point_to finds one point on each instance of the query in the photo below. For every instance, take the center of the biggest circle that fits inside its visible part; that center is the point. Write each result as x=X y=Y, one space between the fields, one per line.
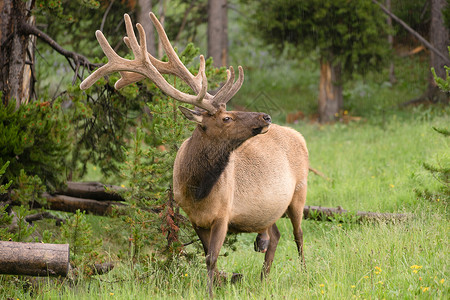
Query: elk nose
x=267 y=118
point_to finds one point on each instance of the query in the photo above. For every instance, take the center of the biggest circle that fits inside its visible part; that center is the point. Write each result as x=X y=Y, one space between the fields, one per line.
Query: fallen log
x=43 y=215
x=72 y=204
x=92 y=190
x=328 y=213
x=34 y=259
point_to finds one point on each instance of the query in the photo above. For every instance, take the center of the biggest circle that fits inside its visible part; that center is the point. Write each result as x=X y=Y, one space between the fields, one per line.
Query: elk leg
x=295 y=213
x=204 y=235
x=274 y=234
x=262 y=242
x=217 y=237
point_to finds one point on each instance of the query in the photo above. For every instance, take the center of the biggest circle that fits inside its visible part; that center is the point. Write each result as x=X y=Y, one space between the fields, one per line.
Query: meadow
x=370 y=167
x=372 y=164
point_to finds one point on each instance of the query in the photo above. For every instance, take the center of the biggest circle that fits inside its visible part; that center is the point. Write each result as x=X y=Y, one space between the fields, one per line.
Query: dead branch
x=413 y=32
x=328 y=213
x=44 y=215
x=100 y=269
x=318 y=173
x=78 y=59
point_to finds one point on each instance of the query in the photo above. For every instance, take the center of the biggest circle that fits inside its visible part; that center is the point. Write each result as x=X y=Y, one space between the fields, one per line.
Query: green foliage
x=4 y=187
x=29 y=190
x=84 y=245
x=440 y=171
x=443 y=83
x=34 y=138
x=5 y=222
x=348 y=32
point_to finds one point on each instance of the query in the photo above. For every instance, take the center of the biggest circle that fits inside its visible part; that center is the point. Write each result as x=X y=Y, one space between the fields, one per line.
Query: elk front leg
x=274 y=235
x=204 y=235
x=218 y=233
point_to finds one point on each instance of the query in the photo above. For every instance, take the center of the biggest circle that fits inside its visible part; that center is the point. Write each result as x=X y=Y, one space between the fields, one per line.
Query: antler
x=145 y=65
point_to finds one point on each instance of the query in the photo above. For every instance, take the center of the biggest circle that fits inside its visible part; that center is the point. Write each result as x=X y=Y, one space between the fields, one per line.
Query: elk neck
x=205 y=160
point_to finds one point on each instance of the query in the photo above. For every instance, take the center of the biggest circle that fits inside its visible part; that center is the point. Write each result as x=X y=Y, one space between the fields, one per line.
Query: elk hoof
x=262 y=242
x=235 y=278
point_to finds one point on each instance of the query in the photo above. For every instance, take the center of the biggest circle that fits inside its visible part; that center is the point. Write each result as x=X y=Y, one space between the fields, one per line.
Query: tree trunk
x=218 y=32
x=92 y=190
x=392 y=78
x=72 y=204
x=16 y=53
x=330 y=91
x=34 y=259
x=144 y=7
x=439 y=38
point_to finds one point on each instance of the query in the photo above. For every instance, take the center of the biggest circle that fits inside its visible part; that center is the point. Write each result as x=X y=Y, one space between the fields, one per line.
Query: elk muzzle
x=266 y=121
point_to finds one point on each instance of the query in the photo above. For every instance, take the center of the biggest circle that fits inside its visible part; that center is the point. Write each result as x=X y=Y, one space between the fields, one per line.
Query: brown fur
x=264 y=176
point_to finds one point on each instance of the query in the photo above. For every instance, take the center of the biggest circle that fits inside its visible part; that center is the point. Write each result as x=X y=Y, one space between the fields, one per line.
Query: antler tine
x=142 y=64
x=230 y=88
x=145 y=65
x=104 y=70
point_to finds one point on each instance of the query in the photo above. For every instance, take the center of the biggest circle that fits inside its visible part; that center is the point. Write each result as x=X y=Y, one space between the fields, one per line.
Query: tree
x=144 y=7
x=349 y=36
x=217 y=32
x=439 y=38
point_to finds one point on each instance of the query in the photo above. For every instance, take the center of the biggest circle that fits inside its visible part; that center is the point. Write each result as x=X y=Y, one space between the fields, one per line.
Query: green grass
x=372 y=166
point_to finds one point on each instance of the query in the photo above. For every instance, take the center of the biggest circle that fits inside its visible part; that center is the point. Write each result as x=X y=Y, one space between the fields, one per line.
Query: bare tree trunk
x=144 y=7
x=439 y=38
x=392 y=78
x=218 y=32
x=330 y=91
x=14 y=79
x=162 y=20
x=35 y=259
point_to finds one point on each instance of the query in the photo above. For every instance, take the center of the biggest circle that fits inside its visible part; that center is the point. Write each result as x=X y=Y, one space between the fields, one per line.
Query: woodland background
x=369 y=94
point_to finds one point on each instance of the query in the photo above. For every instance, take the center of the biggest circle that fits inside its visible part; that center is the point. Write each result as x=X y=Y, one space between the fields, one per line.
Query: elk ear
x=191 y=114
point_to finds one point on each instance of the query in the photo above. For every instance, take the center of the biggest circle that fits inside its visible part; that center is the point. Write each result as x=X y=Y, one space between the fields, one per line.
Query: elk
x=238 y=172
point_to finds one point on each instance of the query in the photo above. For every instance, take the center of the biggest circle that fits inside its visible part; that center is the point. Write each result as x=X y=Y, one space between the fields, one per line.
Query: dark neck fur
x=205 y=161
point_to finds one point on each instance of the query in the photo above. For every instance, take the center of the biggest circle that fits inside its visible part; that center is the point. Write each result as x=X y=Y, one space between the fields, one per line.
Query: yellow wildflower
x=111 y=294
x=322 y=292
x=391 y=185
x=366 y=277
x=321 y=285
x=442 y=281
x=425 y=289
x=353 y=286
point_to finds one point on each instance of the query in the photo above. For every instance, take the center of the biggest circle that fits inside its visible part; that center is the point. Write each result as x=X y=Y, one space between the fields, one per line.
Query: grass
x=373 y=165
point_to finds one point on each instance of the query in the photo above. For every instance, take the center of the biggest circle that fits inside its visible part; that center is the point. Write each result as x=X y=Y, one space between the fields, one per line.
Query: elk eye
x=226 y=119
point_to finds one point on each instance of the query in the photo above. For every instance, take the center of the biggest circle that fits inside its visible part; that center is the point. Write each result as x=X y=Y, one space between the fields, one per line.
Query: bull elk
x=237 y=172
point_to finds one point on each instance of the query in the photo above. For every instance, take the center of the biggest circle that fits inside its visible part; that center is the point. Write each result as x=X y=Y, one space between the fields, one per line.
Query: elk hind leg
x=295 y=213
x=274 y=235
x=262 y=241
